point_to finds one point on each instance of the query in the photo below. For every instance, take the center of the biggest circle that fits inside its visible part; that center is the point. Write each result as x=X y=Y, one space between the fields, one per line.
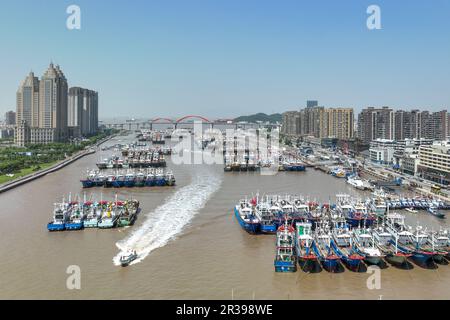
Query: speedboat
x=127 y=258
x=411 y=210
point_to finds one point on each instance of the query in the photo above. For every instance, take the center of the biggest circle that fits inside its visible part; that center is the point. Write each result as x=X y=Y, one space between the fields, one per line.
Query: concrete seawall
x=20 y=181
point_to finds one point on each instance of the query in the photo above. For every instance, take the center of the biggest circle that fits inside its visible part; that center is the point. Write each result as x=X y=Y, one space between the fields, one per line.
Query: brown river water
x=194 y=248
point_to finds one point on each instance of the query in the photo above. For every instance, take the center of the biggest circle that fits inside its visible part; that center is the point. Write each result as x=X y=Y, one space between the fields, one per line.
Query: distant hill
x=260 y=117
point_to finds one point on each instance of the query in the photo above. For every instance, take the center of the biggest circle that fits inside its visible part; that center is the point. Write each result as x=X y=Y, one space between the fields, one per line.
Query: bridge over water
x=184 y=121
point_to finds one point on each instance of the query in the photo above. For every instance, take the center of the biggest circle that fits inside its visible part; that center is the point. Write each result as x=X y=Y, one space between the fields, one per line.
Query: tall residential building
x=434 y=125
x=27 y=101
x=53 y=91
x=83 y=110
x=415 y=124
x=42 y=108
x=319 y=122
x=10 y=118
x=75 y=107
x=310 y=121
x=340 y=123
x=407 y=124
x=290 y=123
x=376 y=123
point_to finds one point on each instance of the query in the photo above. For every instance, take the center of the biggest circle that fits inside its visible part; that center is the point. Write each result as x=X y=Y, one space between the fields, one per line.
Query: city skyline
x=49 y=111
x=230 y=59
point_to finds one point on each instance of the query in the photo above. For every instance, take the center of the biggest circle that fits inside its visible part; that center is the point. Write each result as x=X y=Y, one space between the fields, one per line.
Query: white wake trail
x=169 y=219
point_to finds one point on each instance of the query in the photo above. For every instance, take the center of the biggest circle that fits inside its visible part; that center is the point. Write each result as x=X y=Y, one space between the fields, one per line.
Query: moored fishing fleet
x=349 y=232
x=150 y=177
x=135 y=159
x=80 y=214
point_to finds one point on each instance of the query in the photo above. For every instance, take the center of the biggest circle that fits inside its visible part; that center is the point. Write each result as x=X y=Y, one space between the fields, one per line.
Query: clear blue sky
x=222 y=58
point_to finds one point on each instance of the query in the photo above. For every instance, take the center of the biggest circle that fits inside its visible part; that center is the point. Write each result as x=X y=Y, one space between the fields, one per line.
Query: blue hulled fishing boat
x=87 y=183
x=160 y=179
x=60 y=218
x=434 y=211
x=342 y=245
x=322 y=248
x=119 y=182
x=129 y=180
x=285 y=256
x=150 y=180
x=246 y=217
x=266 y=218
x=76 y=216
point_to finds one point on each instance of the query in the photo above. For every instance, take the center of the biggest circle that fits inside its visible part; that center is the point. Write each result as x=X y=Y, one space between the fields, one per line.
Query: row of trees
x=14 y=159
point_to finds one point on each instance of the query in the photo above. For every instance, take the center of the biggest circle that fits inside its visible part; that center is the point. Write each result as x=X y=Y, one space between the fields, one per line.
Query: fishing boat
x=322 y=248
x=439 y=242
x=315 y=215
x=388 y=246
x=150 y=179
x=235 y=166
x=110 y=180
x=129 y=213
x=424 y=250
x=127 y=258
x=59 y=220
x=89 y=181
x=129 y=180
x=285 y=256
x=119 y=182
x=301 y=210
x=358 y=215
x=160 y=179
x=94 y=214
x=109 y=218
x=406 y=241
x=356 y=182
x=243 y=165
x=139 y=179
x=433 y=211
x=304 y=245
x=246 y=217
x=76 y=216
x=100 y=180
x=342 y=244
x=170 y=178
x=366 y=247
x=103 y=164
x=379 y=207
x=293 y=166
x=266 y=218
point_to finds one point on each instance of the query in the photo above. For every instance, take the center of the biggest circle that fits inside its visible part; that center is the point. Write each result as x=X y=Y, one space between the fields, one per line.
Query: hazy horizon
x=226 y=59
